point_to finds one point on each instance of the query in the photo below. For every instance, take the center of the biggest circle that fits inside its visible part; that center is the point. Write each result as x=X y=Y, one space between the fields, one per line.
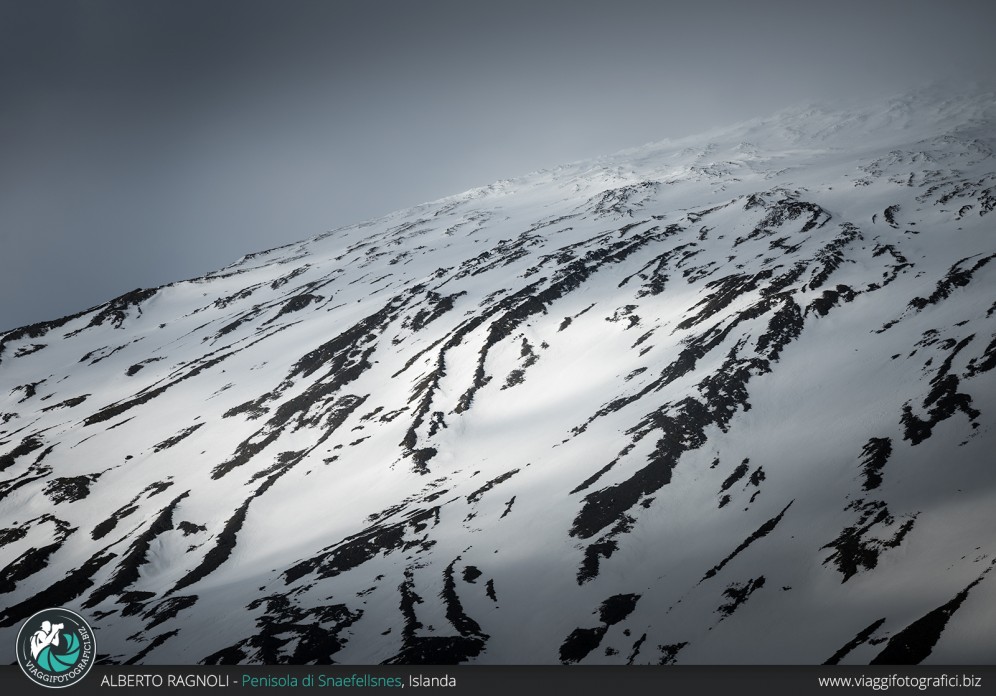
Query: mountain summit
x=727 y=399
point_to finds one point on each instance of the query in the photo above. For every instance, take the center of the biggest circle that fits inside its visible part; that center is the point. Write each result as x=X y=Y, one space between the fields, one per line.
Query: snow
x=313 y=487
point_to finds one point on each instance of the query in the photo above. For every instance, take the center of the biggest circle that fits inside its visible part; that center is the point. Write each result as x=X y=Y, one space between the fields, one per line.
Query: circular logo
x=56 y=648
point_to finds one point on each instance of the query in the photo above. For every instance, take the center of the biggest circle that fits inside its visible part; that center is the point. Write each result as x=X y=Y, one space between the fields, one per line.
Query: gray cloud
x=141 y=143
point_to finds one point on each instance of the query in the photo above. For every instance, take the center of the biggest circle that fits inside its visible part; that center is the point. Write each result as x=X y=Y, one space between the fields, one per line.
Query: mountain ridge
x=679 y=404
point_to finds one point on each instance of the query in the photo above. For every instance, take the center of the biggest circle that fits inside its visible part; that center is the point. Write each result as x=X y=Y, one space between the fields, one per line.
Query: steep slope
x=721 y=400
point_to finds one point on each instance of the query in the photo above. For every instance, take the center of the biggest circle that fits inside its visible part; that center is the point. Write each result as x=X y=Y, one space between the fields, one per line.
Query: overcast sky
x=146 y=141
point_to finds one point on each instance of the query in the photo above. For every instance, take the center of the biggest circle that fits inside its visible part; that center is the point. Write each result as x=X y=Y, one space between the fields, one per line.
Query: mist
x=144 y=143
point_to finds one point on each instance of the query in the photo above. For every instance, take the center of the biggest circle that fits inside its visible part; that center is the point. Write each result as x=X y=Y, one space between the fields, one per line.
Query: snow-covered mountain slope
x=723 y=400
